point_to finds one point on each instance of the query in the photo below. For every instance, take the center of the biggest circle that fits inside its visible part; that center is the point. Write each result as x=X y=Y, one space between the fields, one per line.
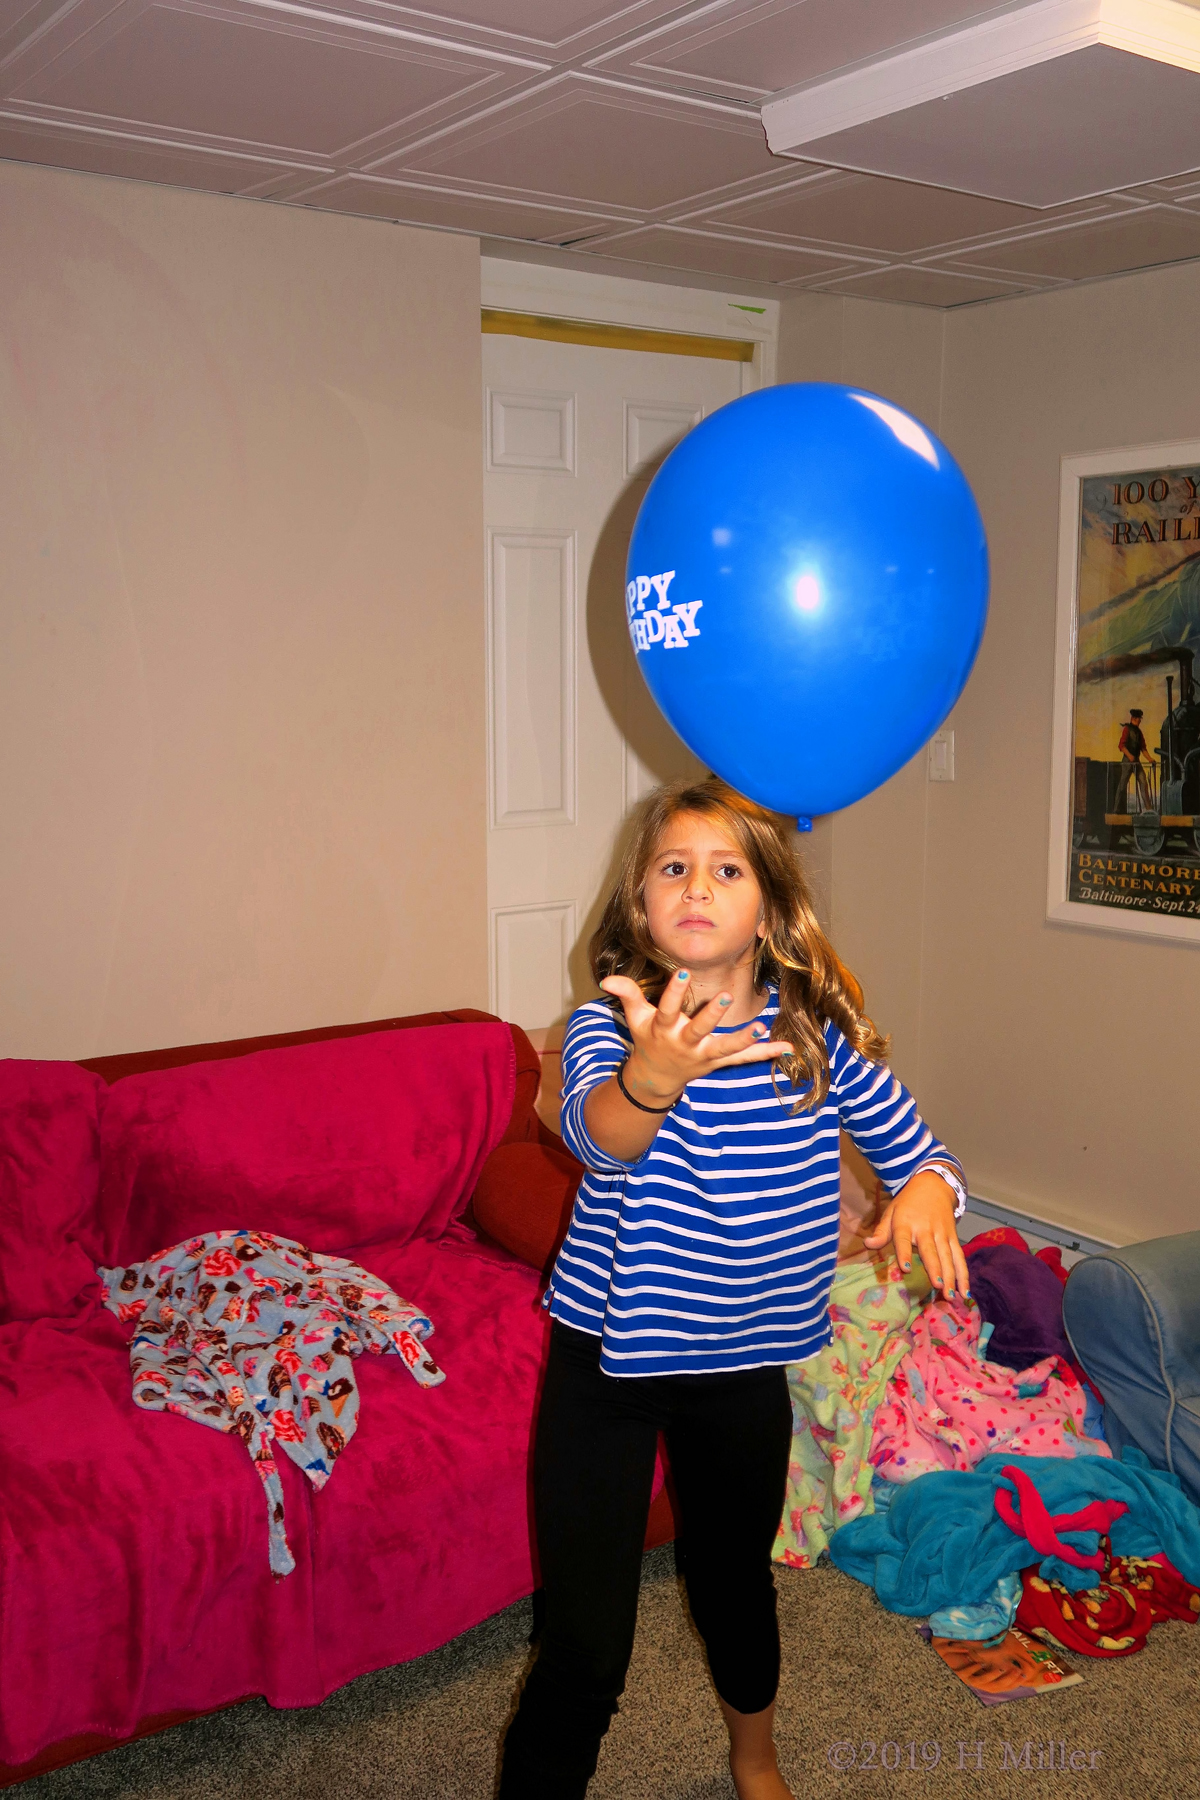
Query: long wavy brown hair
x=794 y=953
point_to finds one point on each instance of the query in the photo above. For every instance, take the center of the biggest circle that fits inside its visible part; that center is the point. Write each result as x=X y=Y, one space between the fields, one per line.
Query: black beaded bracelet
x=629 y=1096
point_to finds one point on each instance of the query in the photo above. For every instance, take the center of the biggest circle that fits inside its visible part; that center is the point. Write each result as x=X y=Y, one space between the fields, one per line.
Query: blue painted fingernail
x=682 y=975
x=908 y=1265
x=760 y=1031
x=726 y=1000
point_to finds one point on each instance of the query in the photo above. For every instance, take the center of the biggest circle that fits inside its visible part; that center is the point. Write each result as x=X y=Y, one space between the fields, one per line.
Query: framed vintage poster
x=1125 y=804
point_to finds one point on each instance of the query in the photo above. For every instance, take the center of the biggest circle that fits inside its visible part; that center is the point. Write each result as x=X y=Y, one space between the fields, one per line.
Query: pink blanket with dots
x=947 y=1409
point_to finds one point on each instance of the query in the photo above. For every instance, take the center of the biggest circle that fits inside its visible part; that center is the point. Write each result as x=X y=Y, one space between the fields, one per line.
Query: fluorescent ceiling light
x=1039 y=103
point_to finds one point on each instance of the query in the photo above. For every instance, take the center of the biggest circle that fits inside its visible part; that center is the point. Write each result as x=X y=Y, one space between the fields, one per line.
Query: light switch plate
x=941 y=756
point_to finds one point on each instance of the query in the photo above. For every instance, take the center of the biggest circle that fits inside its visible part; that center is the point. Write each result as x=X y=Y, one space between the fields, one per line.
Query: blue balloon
x=806 y=592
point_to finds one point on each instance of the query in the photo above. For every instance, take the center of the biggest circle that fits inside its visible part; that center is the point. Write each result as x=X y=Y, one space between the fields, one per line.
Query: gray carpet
x=853 y=1675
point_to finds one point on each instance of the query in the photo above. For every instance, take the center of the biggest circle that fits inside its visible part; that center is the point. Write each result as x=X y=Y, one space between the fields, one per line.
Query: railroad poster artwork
x=1127 y=725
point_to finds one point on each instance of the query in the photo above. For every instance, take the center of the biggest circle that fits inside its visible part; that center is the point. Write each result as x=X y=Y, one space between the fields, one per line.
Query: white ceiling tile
x=174 y=165
x=968 y=263
x=590 y=140
x=923 y=287
x=255 y=81
x=871 y=213
x=714 y=255
x=540 y=25
x=753 y=48
x=1134 y=240
x=44 y=31
x=409 y=203
x=22 y=20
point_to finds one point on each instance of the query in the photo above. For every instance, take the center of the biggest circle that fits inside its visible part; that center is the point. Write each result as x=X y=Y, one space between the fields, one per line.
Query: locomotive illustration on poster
x=1128 y=827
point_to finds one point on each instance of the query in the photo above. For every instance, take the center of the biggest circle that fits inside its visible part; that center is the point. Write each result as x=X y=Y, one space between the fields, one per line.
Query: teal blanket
x=942 y=1543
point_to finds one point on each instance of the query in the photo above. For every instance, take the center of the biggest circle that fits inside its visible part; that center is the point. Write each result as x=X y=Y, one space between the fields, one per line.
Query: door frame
x=646 y=305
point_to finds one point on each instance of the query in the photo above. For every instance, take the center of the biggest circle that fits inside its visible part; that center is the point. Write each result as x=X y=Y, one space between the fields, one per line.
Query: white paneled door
x=573 y=435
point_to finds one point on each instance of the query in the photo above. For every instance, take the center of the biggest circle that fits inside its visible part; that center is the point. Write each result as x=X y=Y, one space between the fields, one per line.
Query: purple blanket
x=1022 y=1300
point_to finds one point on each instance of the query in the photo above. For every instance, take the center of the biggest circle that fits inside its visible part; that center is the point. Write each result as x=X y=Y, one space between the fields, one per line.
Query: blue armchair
x=1133 y=1319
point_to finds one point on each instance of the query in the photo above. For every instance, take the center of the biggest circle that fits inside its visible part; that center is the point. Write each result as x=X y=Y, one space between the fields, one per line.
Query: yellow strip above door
x=615 y=337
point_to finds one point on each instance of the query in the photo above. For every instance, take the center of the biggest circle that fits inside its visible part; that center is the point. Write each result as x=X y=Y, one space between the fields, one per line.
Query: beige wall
x=870 y=860
x=1058 y=1062
x=241 y=618
x=1080 y=1090
x=241 y=655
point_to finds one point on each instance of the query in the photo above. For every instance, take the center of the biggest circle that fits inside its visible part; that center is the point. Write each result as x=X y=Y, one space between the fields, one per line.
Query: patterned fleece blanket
x=254 y=1334
x=948 y=1409
x=834 y=1398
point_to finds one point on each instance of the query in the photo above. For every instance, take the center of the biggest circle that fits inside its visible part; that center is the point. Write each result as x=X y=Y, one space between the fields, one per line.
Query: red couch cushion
x=342 y=1144
x=523 y=1124
x=49 y=1171
x=524 y=1200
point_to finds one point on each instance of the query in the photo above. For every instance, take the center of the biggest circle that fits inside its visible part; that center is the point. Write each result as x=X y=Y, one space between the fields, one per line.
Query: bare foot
x=752 y=1761
x=759 y=1783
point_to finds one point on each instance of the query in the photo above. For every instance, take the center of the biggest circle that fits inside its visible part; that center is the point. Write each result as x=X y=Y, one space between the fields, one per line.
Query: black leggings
x=728 y=1437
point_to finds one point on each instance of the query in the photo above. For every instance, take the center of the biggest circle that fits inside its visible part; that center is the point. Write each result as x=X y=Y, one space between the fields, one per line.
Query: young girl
x=704 y=1099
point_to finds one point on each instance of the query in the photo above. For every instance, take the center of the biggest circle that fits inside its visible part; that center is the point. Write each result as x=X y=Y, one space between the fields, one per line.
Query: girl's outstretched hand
x=670 y=1049
x=923 y=1213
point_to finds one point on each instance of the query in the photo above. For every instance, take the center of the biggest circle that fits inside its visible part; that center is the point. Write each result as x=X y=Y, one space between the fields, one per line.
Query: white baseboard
x=1066 y=1236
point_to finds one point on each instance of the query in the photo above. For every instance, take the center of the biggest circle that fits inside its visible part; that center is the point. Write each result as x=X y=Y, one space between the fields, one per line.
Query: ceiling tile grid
x=749 y=49
x=629 y=132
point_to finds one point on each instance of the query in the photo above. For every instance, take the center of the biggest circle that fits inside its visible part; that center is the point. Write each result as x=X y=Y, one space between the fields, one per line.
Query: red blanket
x=131 y=1555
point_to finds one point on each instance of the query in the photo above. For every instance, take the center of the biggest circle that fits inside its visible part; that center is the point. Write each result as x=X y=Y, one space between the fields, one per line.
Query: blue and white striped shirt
x=716 y=1248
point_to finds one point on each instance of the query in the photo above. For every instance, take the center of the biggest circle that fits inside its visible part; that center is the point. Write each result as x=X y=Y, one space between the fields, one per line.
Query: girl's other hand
x=923 y=1213
x=670 y=1049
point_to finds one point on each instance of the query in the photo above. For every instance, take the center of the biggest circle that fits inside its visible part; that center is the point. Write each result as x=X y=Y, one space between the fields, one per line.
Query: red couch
x=134 y=1584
